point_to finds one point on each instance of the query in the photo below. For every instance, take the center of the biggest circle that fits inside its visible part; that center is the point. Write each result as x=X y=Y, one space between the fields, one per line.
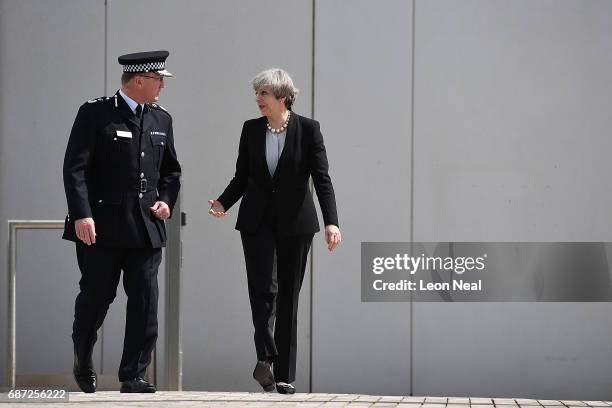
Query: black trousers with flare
x=275 y=268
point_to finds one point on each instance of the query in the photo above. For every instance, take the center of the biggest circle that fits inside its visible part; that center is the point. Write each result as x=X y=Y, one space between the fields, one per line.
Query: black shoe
x=284 y=388
x=137 y=384
x=263 y=375
x=84 y=375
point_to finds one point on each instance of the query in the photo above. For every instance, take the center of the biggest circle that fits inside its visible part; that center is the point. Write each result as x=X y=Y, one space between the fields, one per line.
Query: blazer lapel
x=289 y=143
x=261 y=146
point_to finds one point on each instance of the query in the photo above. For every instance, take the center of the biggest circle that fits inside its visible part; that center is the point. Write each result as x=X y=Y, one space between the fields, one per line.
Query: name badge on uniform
x=123 y=133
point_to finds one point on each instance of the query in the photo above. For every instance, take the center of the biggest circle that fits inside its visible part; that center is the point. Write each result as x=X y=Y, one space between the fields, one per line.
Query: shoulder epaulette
x=100 y=99
x=156 y=106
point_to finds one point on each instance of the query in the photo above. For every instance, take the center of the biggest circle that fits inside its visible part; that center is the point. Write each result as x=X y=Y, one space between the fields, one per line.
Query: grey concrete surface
x=273 y=400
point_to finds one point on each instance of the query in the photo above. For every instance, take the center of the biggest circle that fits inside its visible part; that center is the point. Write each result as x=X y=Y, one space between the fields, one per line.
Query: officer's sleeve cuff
x=73 y=216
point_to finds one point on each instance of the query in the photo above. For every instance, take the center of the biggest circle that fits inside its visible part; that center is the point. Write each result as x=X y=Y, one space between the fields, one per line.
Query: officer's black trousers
x=100 y=271
x=274 y=288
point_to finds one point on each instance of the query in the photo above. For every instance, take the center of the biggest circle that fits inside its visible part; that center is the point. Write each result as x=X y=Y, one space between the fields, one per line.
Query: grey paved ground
x=171 y=399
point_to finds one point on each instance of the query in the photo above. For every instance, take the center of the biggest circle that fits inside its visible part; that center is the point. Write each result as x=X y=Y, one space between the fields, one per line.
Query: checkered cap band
x=148 y=67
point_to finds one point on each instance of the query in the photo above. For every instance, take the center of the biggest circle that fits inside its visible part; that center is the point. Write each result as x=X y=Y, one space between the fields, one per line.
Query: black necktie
x=138 y=114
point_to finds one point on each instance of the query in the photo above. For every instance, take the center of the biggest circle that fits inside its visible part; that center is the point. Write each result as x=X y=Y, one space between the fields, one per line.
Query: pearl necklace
x=282 y=128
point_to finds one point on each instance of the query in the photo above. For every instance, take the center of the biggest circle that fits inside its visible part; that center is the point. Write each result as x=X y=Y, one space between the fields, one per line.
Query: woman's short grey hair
x=279 y=82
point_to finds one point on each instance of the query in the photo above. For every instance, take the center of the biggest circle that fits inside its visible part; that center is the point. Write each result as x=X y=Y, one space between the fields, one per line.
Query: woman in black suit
x=277 y=155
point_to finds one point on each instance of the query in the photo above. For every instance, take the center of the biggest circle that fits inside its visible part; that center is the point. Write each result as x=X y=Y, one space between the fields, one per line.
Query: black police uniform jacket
x=116 y=167
x=303 y=155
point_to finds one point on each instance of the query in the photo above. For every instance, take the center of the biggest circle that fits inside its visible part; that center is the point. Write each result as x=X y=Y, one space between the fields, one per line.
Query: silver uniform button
x=141 y=175
x=141 y=154
x=140 y=195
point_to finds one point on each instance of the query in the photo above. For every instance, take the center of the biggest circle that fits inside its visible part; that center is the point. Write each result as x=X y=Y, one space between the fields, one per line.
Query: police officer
x=122 y=179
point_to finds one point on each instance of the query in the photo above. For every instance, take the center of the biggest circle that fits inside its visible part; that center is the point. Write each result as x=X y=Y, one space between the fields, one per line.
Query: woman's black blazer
x=303 y=156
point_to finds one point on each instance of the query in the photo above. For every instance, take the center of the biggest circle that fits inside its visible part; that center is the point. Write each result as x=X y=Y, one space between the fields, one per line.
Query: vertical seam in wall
x=412 y=186
x=312 y=114
x=104 y=93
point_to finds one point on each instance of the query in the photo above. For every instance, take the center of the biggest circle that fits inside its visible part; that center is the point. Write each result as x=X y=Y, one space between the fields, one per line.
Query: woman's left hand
x=333 y=237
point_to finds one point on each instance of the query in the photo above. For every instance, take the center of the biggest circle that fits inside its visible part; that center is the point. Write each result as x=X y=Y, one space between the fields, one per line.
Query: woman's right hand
x=216 y=209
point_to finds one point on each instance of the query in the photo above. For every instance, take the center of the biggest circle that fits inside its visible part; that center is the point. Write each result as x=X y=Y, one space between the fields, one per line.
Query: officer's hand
x=332 y=236
x=160 y=210
x=216 y=209
x=85 y=230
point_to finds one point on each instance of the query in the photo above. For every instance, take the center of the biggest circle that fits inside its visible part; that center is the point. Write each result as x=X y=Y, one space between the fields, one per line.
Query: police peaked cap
x=150 y=61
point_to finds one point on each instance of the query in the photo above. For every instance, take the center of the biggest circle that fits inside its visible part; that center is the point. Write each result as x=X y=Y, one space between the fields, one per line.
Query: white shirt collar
x=131 y=103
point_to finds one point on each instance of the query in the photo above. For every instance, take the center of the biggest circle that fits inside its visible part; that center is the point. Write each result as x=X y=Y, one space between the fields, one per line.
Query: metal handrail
x=173 y=353
x=13 y=226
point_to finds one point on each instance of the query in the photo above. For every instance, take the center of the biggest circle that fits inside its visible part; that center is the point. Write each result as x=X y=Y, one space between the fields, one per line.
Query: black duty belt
x=144 y=185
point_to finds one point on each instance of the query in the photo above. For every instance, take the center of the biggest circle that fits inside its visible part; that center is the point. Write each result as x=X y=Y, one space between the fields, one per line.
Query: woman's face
x=267 y=103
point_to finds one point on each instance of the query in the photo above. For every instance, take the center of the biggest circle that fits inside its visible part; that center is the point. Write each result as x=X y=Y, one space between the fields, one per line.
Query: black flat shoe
x=263 y=375
x=86 y=381
x=84 y=375
x=284 y=388
x=137 y=384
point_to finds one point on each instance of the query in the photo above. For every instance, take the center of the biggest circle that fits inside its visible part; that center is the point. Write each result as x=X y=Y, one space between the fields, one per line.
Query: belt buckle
x=143 y=185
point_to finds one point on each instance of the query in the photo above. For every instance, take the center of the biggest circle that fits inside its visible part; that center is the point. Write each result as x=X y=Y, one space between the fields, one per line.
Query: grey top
x=274 y=147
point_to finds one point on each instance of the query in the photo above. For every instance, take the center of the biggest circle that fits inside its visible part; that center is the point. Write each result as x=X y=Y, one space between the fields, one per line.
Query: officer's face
x=151 y=85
